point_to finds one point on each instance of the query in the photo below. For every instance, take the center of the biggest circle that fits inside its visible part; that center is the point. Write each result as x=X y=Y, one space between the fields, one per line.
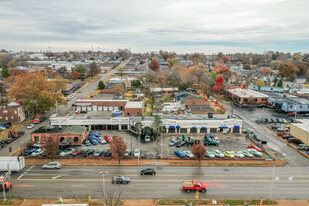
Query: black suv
x=148 y=171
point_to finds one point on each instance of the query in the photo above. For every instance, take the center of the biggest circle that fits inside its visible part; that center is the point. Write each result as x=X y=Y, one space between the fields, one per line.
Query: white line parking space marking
x=20 y=176
x=26 y=172
x=56 y=177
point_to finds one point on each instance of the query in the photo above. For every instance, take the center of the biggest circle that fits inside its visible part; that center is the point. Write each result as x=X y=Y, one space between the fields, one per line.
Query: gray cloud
x=146 y=25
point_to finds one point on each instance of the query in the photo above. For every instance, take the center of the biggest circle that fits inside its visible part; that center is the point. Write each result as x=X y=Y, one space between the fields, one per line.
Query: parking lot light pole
x=103 y=184
x=272 y=180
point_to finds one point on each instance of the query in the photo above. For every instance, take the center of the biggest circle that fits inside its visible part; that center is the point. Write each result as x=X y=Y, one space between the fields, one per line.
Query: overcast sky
x=207 y=26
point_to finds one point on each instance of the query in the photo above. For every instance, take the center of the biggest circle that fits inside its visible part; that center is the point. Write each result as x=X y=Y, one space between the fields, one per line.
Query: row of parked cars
x=5 y=126
x=95 y=137
x=184 y=140
x=275 y=120
x=291 y=139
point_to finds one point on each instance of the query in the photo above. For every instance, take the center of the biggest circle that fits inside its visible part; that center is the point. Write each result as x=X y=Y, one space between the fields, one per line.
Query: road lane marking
x=290 y=178
x=20 y=176
x=277 y=178
x=56 y=177
x=78 y=185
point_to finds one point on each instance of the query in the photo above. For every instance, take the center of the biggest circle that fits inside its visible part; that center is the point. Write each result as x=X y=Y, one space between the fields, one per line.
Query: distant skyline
x=142 y=25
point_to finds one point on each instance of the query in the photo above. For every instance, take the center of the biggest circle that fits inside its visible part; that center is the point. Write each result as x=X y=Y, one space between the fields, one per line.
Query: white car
x=137 y=153
x=209 y=154
x=238 y=154
x=247 y=153
x=218 y=153
x=188 y=153
x=37 y=144
x=30 y=126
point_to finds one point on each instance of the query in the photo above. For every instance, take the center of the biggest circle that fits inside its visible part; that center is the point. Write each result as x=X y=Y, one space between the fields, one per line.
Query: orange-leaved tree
x=38 y=94
x=154 y=65
x=118 y=148
x=288 y=70
x=199 y=151
x=74 y=74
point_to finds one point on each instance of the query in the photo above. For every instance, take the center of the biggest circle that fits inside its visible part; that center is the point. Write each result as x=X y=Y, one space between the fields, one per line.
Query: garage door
x=183 y=130
x=105 y=108
x=110 y=108
x=213 y=130
x=84 y=108
x=94 y=108
x=89 y=108
x=100 y=108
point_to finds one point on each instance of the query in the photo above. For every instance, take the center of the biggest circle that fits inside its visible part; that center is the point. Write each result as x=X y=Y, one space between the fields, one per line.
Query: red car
x=283 y=133
x=77 y=152
x=108 y=138
x=36 y=120
x=254 y=147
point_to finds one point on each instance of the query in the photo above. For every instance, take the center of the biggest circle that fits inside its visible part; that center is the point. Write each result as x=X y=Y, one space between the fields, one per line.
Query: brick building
x=134 y=108
x=247 y=96
x=76 y=133
x=100 y=104
x=13 y=112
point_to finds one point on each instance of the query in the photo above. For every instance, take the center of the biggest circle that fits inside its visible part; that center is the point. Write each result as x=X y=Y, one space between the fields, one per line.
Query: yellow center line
x=155 y=180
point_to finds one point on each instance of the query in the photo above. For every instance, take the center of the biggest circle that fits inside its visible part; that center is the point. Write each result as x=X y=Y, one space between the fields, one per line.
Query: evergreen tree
x=5 y=72
x=101 y=86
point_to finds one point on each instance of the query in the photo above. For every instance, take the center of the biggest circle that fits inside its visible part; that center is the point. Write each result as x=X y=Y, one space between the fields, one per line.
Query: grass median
x=207 y=202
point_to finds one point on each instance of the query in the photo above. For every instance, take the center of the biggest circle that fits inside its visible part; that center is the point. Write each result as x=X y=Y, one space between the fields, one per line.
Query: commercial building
x=134 y=108
x=288 y=103
x=72 y=135
x=100 y=104
x=247 y=96
x=300 y=130
x=178 y=124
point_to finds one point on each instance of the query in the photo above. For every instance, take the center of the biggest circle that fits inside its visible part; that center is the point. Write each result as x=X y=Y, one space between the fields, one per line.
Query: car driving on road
x=52 y=165
x=120 y=180
x=148 y=171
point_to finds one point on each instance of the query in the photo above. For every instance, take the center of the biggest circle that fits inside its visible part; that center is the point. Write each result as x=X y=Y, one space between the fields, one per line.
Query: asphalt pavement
x=293 y=157
x=223 y=182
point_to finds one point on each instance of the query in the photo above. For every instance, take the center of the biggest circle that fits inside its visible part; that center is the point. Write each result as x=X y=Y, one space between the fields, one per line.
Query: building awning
x=223 y=127
x=204 y=127
x=164 y=126
x=177 y=126
x=236 y=126
x=193 y=127
x=171 y=127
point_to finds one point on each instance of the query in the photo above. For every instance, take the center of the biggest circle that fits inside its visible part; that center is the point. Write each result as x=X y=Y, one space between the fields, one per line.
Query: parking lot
x=152 y=150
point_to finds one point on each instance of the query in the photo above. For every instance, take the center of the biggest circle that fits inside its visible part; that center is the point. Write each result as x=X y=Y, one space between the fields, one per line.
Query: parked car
x=238 y=154
x=64 y=153
x=295 y=141
x=148 y=171
x=247 y=153
x=179 y=153
x=172 y=142
x=108 y=138
x=52 y=165
x=228 y=154
x=29 y=151
x=248 y=131
x=128 y=153
x=283 y=133
x=95 y=133
x=217 y=153
x=93 y=142
x=283 y=129
x=210 y=154
x=101 y=140
x=137 y=153
x=255 y=148
x=302 y=147
x=77 y=152
x=256 y=138
x=87 y=152
x=255 y=152
x=30 y=126
x=120 y=180
x=107 y=153
x=180 y=144
x=37 y=145
x=87 y=142
x=188 y=153
x=98 y=152
x=286 y=136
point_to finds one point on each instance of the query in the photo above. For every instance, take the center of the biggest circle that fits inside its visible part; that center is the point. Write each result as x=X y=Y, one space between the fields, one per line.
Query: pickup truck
x=194 y=186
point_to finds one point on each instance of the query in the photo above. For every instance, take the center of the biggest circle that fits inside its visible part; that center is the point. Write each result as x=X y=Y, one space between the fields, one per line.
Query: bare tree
x=94 y=69
x=50 y=145
x=119 y=89
x=118 y=148
x=199 y=151
x=111 y=195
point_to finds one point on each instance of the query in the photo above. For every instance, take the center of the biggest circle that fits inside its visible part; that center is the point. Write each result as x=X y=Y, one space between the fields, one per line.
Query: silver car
x=120 y=180
x=52 y=165
x=209 y=154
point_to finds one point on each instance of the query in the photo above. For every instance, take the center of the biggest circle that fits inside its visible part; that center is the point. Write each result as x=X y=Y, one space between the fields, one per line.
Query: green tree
x=136 y=83
x=62 y=70
x=5 y=72
x=280 y=83
x=213 y=76
x=80 y=69
x=157 y=125
x=101 y=85
x=138 y=127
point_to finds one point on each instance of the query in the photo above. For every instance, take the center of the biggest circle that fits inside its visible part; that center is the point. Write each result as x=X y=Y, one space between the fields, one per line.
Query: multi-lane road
x=229 y=182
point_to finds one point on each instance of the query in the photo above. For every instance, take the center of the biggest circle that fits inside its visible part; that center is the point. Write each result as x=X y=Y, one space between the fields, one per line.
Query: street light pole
x=272 y=180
